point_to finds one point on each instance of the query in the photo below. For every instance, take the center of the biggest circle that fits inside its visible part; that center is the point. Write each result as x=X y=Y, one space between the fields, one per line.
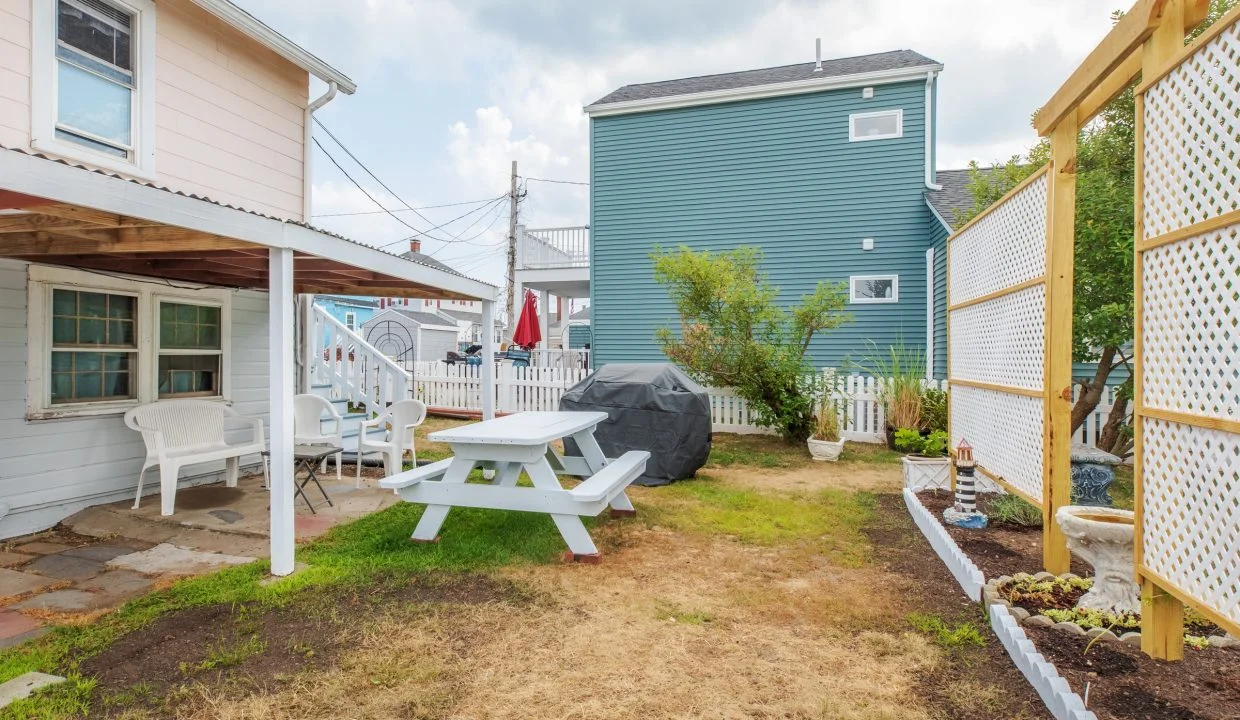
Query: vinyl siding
x=51 y=469
x=938 y=240
x=229 y=112
x=778 y=173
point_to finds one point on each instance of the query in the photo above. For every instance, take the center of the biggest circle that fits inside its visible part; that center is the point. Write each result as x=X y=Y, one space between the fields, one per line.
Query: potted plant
x=898 y=373
x=927 y=464
x=825 y=443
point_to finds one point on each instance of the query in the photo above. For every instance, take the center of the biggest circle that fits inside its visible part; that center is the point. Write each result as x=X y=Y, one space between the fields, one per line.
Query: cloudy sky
x=451 y=91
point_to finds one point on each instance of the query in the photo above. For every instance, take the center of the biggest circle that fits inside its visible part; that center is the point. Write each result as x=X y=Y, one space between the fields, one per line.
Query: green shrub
x=934 y=410
x=912 y=441
x=1011 y=510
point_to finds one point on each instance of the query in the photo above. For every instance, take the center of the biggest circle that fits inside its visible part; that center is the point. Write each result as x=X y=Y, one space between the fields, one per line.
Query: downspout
x=929 y=131
x=304 y=301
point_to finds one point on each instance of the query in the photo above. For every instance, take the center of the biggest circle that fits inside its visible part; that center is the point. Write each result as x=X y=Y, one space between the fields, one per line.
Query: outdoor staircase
x=359 y=381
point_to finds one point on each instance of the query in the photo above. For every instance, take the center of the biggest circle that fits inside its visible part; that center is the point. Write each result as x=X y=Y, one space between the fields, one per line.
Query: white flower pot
x=927 y=473
x=825 y=449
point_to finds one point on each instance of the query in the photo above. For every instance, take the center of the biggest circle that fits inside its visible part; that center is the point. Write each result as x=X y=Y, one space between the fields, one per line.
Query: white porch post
x=309 y=343
x=544 y=320
x=488 y=359
x=281 y=375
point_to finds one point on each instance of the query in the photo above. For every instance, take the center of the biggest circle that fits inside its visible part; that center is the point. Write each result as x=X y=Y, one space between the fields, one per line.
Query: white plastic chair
x=309 y=412
x=400 y=419
x=187 y=432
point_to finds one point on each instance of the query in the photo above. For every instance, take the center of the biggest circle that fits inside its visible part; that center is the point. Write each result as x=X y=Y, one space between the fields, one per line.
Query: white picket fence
x=458 y=387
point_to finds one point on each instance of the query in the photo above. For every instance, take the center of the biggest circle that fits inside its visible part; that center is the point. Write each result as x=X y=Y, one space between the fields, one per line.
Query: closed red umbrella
x=527 y=334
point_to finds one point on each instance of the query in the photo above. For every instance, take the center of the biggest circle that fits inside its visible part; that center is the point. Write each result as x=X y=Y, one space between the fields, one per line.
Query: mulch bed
x=1000 y=549
x=1123 y=683
x=928 y=587
x=248 y=648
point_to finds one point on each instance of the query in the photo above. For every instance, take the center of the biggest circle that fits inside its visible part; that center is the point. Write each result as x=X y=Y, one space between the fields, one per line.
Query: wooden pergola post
x=1162 y=615
x=1057 y=396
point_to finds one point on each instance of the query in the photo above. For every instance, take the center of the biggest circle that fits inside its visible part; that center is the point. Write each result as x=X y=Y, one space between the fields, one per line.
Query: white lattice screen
x=997 y=336
x=1190 y=303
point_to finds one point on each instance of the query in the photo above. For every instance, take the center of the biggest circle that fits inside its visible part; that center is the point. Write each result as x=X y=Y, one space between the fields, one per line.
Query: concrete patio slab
x=115 y=587
x=23 y=686
x=9 y=559
x=16 y=584
x=40 y=547
x=65 y=567
x=168 y=558
x=100 y=553
x=63 y=601
x=13 y=624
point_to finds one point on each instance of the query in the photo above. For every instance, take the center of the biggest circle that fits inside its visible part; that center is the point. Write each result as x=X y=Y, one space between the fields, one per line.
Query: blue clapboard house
x=827 y=166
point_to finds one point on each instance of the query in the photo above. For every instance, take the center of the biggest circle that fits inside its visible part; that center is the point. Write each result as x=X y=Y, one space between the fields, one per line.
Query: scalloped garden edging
x=962 y=568
x=1054 y=691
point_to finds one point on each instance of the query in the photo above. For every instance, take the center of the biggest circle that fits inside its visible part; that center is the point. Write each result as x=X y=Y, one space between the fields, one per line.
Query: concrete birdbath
x=1103 y=537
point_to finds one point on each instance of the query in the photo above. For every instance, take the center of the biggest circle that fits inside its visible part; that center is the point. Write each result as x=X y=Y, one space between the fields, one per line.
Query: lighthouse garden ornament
x=964 y=513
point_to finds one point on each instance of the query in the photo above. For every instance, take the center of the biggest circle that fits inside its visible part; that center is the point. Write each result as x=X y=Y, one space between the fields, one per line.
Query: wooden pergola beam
x=34 y=222
x=125 y=240
x=1111 y=57
x=79 y=214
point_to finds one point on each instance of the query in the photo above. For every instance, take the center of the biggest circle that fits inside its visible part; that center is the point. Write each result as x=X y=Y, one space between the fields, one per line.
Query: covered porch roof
x=57 y=213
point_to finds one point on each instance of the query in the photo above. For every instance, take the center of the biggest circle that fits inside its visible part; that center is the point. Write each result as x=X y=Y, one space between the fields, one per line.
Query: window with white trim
x=100 y=344
x=350 y=320
x=880 y=125
x=93 y=82
x=873 y=289
x=191 y=350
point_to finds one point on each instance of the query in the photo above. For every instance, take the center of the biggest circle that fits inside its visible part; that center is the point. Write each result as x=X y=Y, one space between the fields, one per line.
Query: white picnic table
x=516 y=443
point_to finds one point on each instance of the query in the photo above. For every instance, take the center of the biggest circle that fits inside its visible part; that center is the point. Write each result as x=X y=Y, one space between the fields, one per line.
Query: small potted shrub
x=825 y=443
x=927 y=464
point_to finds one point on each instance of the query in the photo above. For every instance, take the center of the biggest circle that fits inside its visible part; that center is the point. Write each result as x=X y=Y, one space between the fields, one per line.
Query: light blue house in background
x=825 y=166
x=353 y=312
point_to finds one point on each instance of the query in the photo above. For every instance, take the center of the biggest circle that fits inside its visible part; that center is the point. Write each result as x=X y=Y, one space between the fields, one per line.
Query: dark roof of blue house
x=352 y=301
x=954 y=199
x=421 y=318
x=837 y=67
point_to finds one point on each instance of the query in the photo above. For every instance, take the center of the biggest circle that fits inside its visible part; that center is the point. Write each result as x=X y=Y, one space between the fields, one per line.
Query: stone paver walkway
x=107 y=555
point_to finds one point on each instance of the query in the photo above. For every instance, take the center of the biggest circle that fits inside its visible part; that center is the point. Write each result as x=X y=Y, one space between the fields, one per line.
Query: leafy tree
x=733 y=334
x=1102 y=308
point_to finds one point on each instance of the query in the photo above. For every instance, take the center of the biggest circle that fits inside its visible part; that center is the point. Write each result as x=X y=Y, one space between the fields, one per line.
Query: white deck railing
x=547 y=248
x=354 y=368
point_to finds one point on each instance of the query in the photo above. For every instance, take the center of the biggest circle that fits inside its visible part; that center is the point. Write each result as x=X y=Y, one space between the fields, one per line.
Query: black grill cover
x=654 y=407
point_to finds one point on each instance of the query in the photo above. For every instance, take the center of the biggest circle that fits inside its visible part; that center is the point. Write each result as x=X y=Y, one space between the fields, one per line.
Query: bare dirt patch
x=973 y=681
x=867 y=478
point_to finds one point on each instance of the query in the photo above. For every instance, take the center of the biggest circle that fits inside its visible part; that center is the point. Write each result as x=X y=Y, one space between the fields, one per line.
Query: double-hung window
x=101 y=344
x=190 y=350
x=94 y=349
x=93 y=90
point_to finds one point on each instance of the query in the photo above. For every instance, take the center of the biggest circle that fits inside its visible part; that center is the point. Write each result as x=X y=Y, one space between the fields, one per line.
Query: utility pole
x=512 y=249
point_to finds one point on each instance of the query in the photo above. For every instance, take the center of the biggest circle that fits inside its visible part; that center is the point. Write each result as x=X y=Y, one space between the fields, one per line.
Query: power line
x=420 y=207
x=557 y=182
x=494 y=202
x=366 y=192
x=362 y=165
x=495 y=215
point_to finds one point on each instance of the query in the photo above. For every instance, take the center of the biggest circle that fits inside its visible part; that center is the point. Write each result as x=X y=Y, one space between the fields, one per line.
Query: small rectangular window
x=874 y=289
x=190 y=350
x=350 y=320
x=94 y=346
x=882 y=125
x=94 y=76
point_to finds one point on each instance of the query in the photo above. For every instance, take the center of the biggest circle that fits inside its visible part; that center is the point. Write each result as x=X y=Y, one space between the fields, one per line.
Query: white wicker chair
x=188 y=432
x=400 y=419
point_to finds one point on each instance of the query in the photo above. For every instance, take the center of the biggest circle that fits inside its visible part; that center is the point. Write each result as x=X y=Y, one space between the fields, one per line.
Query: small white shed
x=411 y=336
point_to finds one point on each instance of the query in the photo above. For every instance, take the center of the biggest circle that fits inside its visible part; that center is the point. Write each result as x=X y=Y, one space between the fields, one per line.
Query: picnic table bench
x=516 y=443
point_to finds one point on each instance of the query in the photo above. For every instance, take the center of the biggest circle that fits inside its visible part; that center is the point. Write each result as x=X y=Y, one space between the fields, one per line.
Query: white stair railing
x=355 y=369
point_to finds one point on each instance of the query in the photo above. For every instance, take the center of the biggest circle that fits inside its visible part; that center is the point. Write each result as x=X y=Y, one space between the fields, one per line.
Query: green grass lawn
x=375 y=550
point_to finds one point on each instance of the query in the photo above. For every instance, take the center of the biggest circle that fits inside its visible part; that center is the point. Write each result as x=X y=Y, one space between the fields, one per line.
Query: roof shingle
x=877 y=62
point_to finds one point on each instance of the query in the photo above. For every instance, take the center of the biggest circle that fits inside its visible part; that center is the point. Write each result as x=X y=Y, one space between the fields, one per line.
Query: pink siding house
x=154 y=192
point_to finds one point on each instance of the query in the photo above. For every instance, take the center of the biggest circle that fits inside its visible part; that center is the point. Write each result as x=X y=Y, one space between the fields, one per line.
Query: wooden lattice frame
x=996 y=295
x=1187 y=390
